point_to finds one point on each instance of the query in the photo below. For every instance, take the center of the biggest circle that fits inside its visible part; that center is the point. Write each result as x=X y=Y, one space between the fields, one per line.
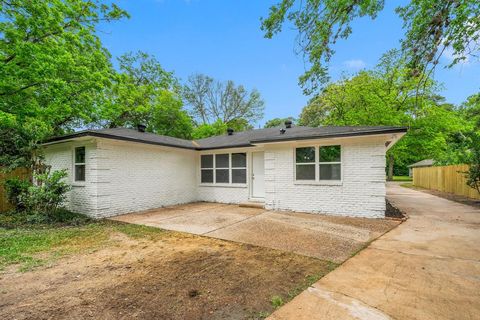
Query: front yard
x=252 y=262
x=112 y=270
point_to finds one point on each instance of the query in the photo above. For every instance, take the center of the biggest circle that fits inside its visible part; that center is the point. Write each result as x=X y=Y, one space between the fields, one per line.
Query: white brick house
x=331 y=170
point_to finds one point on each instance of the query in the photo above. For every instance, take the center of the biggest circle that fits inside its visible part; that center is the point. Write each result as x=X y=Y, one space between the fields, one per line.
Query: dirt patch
x=176 y=276
x=392 y=211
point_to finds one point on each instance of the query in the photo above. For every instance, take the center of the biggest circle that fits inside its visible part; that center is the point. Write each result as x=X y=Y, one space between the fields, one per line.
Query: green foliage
x=15 y=189
x=473 y=174
x=40 y=199
x=387 y=96
x=277 y=302
x=144 y=93
x=278 y=122
x=431 y=27
x=53 y=70
x=31 y=246
x=208 y=130
x=470 y=111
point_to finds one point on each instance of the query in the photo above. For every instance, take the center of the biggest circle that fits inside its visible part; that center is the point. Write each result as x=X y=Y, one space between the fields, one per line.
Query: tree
x=470 y=110
x=386 y=96
x=206 y=130
x=431 y=27
x=144 y=93
x=53 y=70
x=211 y=100
x=278 y=122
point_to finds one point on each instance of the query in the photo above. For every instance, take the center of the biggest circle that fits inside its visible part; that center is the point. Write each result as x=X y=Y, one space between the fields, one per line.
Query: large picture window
x=223 y=168
x=79 y=166
x=318 y=163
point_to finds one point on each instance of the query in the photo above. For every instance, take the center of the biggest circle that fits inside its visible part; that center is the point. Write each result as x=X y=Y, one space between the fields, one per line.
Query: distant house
x=332 y=170
x=419 y=164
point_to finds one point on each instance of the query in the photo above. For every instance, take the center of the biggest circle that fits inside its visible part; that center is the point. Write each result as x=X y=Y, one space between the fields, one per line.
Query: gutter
x=338 y=135
x=113 y=137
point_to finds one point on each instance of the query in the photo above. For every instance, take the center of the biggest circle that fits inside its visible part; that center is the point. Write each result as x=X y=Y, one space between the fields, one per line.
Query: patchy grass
x=34 y=246
x=279 y=300
x=402 y=178
x=180 y=276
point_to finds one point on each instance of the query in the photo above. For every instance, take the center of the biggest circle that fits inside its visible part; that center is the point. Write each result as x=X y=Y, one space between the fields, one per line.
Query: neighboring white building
x=331 y=170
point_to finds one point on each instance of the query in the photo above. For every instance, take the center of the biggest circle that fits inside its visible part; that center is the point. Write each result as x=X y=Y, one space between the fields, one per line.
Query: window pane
x=239 y=176
x=207 y=161
x=80 y=172
x=306 y=172
x=221 y=161
x=330 y=172
x=80 y=155
x=221 y=176
x=207 y=176
x=239 y=160
x=330 y=154
x=305 y=155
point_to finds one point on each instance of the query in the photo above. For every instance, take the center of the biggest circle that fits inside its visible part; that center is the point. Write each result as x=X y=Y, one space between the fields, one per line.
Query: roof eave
x=328 y=136
x=112 y=137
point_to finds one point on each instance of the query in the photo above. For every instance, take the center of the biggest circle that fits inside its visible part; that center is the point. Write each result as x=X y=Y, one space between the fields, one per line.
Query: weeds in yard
x=277 y=302
x=37 y=246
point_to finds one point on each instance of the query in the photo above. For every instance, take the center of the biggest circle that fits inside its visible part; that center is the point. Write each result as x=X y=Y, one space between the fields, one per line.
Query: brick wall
x=82 y=197
x=126 y=177
x=134 y=177
x=361 y=193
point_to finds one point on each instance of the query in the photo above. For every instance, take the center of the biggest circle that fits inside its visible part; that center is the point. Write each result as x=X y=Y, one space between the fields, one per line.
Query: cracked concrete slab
x=324 y=237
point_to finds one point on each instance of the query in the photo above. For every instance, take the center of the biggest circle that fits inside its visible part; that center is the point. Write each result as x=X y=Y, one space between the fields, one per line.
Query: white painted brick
x=125 y=177
x=362 y=193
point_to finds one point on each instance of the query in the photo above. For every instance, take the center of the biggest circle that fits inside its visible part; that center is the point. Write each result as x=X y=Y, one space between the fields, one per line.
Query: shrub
x=473 y=174
x=14 y=188
x=41 y=198
x=46 y=194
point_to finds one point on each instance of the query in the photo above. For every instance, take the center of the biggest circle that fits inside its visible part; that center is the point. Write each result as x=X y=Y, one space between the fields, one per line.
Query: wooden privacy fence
x=445 y=178
x=20 y=173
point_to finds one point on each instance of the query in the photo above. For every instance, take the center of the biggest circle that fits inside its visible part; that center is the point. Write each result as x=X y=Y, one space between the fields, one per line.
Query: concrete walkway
x=426 y=268
x=324 y=237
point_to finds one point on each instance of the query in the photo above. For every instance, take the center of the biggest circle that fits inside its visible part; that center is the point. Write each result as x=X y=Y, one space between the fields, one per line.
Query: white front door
x=258 y=175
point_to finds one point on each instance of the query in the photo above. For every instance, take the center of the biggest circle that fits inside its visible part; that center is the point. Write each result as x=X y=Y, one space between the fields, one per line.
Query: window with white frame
x=223 y=168
x=239 y=168
x=321 y=163
x=79 y=166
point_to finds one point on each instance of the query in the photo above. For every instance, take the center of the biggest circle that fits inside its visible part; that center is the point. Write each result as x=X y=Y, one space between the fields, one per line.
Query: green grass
x=277 y=301
x=402 y=178
x=34 y=246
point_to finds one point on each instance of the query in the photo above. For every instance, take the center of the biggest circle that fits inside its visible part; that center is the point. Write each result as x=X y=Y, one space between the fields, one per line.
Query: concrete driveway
x=426 y=268
x=324 y=237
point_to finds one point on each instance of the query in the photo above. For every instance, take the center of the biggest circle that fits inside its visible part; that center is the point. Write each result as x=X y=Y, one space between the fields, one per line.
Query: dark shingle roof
x=423 y=163
x=238 y=139
x=129 y=135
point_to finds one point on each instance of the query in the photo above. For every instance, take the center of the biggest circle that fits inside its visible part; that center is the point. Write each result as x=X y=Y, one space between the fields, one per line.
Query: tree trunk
x=390 y=160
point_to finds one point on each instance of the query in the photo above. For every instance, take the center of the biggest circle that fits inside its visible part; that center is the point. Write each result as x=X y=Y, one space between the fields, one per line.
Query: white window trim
x=76 y=182
x=317 y=164
x=230 y=184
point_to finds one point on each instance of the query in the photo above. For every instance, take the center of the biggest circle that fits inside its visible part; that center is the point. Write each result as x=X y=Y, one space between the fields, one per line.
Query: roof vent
x=141 y=127
x=230 y=131
x=282 y=131
x=288 y=124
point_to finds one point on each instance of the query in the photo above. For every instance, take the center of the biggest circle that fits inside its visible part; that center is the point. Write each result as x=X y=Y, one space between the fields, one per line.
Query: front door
x=258 y=174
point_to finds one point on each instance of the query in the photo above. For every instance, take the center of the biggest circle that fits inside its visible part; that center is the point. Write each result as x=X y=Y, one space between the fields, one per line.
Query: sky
x=223 y=39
